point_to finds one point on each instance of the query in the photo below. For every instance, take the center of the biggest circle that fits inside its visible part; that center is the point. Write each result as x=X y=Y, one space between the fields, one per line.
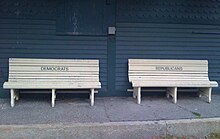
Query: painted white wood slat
x=167 y=68
x=49 y=85
x=54 y=72
x=32 y=60
x=49 y=75
x=164 y=83
x=168 y=61
x=169 y=72
x=52 y=68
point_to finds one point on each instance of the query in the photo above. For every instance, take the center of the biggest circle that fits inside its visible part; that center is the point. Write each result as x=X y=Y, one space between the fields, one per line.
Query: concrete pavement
x=113 y=117
x=193 y=128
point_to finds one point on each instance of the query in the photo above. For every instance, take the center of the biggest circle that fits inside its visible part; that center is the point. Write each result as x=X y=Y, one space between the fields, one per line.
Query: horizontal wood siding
x=169 y=11
x=36 y=38
x=166 y=41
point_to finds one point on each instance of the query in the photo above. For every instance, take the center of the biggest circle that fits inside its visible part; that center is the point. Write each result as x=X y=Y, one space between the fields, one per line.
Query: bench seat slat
x=168 y=79
x=54 y=64
x=32 y=60
x=167 y=75
x=166 y=72
x=188 y=83
x=152 y=68
x=169 y=64
x=13 y=63
x=54 y=72
x=37 y=68
x=54 y=79
x=164 y=61
x=51 y=85
x=50 y=75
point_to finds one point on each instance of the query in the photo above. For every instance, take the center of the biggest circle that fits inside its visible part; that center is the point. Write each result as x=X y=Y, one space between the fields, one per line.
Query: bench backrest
x=144 y=69
x=23 y=69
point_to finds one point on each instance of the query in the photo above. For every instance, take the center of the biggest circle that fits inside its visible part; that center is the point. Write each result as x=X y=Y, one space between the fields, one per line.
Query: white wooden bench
x=170 y=74
x=52 y=74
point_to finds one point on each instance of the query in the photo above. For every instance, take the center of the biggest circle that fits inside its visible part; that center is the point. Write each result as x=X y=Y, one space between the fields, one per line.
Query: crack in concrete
x=198 y=115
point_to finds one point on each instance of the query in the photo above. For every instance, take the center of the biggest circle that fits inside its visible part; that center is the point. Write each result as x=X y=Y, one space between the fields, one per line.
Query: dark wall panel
x=77 y=17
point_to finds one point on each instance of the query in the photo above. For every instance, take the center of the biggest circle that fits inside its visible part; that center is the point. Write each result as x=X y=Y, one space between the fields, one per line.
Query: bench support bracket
x=206 y=91
x=92 y=95
x=172 y=91
x=53 y=97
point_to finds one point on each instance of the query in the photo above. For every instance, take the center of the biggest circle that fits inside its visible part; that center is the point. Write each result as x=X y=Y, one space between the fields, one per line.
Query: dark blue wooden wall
x=28 y=30
x=165 y=41
x=166 y=29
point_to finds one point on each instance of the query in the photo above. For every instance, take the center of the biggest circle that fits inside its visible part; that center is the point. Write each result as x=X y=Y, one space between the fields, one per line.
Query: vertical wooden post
x=92 y=96
x=53 y=97
x=110 y=14
x=209 y=94
x=139 y=95
x=175 y=95
x=12 y=97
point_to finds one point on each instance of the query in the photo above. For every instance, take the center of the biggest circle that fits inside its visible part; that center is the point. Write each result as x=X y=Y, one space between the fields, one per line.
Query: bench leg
x=172 y=91
x=92 y=95
x=139 y=95
x=206 y=91
x=12 y=97
x=53 y=97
